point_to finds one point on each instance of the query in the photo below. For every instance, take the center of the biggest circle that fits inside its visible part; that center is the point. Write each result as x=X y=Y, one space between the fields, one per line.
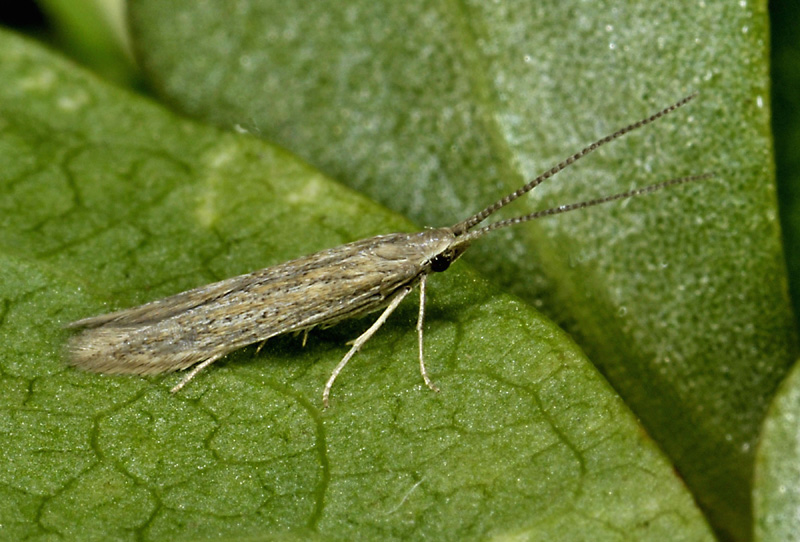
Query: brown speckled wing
x=210 y=321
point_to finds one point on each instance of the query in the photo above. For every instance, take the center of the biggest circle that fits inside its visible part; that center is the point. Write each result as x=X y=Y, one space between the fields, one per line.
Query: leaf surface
x=438 y=108
x=777 y=482
x=108 y=200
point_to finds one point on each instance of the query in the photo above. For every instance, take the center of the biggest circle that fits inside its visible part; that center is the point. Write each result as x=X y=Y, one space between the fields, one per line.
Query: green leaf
x=777 y=482
x=107 y=200
x=94 y=33
x=437 y=108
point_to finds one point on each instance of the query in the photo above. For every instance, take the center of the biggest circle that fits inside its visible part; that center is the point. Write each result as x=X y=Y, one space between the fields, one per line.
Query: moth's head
x=443 y=247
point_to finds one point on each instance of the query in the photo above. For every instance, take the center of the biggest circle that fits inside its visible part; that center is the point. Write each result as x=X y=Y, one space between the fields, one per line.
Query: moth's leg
x=194 y=372
x=420 y=321
x=362 y=339
x=305 y=336
x=261 y=345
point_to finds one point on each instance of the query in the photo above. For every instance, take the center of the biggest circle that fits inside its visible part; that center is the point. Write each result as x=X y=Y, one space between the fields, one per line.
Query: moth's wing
x=208 y=322
x=179 y=331
x=133 y=350
x=172 y=305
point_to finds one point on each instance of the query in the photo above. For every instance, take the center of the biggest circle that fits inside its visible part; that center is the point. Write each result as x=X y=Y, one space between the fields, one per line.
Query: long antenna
x=581 y=205
x=477 y=218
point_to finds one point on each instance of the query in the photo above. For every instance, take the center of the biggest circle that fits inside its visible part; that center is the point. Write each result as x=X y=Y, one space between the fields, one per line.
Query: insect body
x=197 y=327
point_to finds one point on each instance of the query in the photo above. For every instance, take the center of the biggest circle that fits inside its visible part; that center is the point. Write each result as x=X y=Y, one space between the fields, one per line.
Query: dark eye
x=440 y=263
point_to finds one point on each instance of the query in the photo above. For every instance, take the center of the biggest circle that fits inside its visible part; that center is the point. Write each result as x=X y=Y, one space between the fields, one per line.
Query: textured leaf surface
x=107 y=200
x=777 y=484
x=436 y=108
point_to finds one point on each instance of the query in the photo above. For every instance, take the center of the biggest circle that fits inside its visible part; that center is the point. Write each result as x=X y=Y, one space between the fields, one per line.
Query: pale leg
x=361 y=340
x=194 y=372
x=420 y=321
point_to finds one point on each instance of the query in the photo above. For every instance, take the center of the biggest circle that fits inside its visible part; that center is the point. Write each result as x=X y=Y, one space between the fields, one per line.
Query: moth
x=195 y=328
